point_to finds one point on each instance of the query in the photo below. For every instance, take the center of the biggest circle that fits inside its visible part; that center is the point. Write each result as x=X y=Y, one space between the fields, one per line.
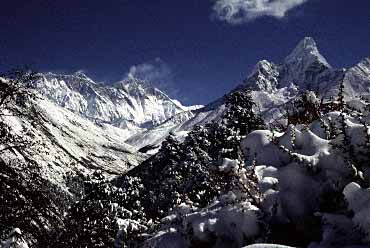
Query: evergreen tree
x=170 y=151
x=92 y=221
x=304 y=109
x=240 y=115
x=180 y=172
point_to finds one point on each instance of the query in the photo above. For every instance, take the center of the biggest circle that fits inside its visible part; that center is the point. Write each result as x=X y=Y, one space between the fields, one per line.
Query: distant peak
x=305 y=46
x=133 y=82
x=261 y=65
x=365 y=61
x=307 y=43
x=307 y=52
x=80 y=74
x=263 y=77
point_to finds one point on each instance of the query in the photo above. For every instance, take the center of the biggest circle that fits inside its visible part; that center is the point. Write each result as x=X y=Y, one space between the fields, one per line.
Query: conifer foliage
x=304 y=109
x=92 y=220
x=240 y=115
x=188 y=172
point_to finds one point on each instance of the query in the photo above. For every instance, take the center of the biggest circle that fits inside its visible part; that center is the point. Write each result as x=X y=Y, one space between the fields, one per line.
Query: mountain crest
x=133 y=83
x=263 y=77
x=306 y=52
x=131 y=101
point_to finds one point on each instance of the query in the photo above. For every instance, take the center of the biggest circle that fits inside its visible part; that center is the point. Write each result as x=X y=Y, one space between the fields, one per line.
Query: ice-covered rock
x=304 y=64
x=131 y=100
x=264 y=77
x=357 y=79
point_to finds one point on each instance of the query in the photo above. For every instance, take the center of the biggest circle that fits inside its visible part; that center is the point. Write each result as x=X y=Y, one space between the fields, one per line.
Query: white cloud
x=152 y=71
x=242 y=11
x=156 y=72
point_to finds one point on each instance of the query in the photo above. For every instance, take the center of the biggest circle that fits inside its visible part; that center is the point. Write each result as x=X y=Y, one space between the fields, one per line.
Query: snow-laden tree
x=15 y=240
x=315 y=177
x=303 y=174
x=304 y=109
x=191 y=172
x=240 y=114
x=92 y=220
x=231 y=219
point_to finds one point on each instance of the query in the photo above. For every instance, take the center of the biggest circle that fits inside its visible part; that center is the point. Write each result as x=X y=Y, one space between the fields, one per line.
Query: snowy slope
x=357 y=79
x=148 y=115
x=311 y=192
x=79 y=126
x=273 y=86
x=305 y=68
x=67 y=143
x=46 y=154
x=131 y=103
x=179 y=125
x=304 y=65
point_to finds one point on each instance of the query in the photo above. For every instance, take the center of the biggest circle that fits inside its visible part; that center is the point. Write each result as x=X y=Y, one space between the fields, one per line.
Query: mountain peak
x=263 y=77
x=261 y=65
x=133 y=84
x=306 y=45
x=307 y=53
x=307 y=42
x=80 y=74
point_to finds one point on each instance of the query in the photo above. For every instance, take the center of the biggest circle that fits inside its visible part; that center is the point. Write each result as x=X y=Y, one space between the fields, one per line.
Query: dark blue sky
x=206 y=57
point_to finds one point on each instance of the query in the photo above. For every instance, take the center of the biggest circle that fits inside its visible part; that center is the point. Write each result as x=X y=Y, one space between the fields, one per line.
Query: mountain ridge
x=145 y=111
x=104 y=140
x=126 y=103
x=273 y=85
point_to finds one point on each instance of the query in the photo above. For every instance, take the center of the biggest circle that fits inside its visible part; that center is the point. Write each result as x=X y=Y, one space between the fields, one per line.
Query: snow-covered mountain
x=106 y=124
x=305 y=68
x=148 y=115
x=77 y=129
x=48 y=150
x=273 y=85
x=357 y=78
x=65 y=142
x=131 y=103
x=131 y=106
